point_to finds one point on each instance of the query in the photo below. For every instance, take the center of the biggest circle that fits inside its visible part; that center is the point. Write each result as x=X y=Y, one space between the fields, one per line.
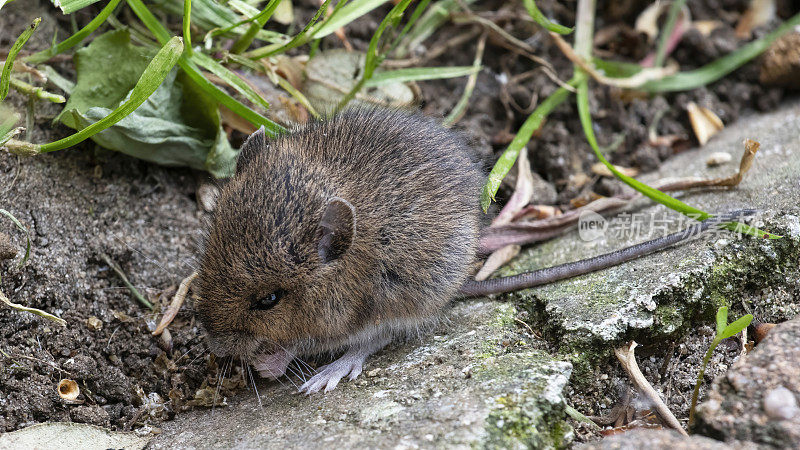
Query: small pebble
x=94 y=324
x=781 y=404
x=718 y=158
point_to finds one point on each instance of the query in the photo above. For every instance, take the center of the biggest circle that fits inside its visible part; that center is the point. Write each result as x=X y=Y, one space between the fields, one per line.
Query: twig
x=434 y=52
x=135 y=292
x=633 y=82
x=175 y=305
x=627 y=358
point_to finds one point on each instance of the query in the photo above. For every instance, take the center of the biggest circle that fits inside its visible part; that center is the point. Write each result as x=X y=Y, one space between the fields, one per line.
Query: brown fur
x=414 y=189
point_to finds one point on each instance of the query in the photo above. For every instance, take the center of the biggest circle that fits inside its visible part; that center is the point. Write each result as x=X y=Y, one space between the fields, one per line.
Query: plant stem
x=672 y=19
x=696 y=392
x=27 y=89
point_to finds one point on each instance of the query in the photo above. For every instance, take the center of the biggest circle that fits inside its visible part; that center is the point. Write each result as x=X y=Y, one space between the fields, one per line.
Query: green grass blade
x=208 y=63
x=151 y=79
x=193 y=72
x=510 y=154
x=373 y=58
x=301 y=38
x=647 y=191
x=539 y=18
x=348 y=13
x=5 y=75
x=70 y=6
x=433 y=18
x=714 y=71
x=187 y=23
x=229 y=102
x=76 y=38
x=24 y=230
x=420 y=74
x=258 y=22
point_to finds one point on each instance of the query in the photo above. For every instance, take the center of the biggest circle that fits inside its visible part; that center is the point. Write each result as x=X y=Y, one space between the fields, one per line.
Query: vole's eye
x=265 y=302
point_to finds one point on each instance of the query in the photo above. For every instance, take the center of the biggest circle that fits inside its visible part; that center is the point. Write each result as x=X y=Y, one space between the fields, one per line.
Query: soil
x=86 y=202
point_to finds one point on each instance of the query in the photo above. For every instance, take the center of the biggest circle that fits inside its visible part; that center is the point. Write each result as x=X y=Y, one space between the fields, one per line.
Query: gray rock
x=658 y=439
x=477 y=385
x=757 y=399
x=661 y=294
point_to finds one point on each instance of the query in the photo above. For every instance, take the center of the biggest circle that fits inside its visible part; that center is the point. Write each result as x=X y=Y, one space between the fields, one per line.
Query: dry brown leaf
x=704 y=122
x=497 y=260
x=759 y=13
x=705 y=27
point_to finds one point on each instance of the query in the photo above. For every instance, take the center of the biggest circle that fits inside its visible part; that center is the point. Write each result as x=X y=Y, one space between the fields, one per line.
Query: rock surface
x=479 y=384
x=657 y=439
x=757 y=400
x=664 y=292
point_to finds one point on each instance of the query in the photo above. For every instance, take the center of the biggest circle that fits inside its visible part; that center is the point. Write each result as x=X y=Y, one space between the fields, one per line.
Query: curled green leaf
x=5 y=75
x=539 y=18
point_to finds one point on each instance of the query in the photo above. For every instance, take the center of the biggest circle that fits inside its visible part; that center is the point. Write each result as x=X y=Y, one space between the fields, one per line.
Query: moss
x=516 y=422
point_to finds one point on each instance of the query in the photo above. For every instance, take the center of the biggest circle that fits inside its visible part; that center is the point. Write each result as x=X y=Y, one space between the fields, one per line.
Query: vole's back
x=416 y=192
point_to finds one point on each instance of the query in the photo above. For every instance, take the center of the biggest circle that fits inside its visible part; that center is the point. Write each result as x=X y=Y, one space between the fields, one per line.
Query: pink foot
x=351 y=363
x=273 y=365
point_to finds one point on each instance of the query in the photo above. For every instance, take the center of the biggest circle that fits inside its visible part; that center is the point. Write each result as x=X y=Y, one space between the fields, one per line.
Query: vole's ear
x=336 y=229
x=255 y=143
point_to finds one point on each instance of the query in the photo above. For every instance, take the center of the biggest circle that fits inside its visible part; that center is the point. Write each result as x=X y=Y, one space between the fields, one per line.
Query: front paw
x=272 y=365
x=329 y=376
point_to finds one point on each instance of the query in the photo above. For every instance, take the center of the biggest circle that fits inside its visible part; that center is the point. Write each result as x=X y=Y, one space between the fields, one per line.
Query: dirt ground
x=85 y=202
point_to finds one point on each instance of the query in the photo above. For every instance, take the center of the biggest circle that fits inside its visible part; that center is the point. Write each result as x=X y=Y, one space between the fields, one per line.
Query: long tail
x=539 y=277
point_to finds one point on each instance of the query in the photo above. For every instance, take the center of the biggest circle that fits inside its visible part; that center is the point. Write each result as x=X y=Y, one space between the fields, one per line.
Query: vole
x=345 y=234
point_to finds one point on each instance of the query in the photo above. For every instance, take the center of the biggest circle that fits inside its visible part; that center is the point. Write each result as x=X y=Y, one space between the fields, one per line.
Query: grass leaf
x=210 y=64
x=258 y=22
x=647 y=191
x=539 y=18
x=420 y=74
x=348 y=13
x=191 y=70
x=70 y=6
x=5 y=75
x=509 y=156
x=722 y=66
x=38 y=312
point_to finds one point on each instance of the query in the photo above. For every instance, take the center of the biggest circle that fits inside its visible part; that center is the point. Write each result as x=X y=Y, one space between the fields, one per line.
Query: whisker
x=255 y=388
x=149 y=259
